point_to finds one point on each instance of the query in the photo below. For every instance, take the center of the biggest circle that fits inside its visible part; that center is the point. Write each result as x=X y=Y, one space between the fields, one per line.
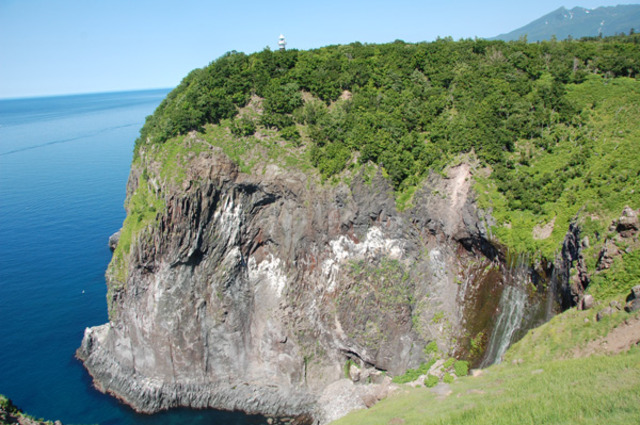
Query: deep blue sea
x=64 y=163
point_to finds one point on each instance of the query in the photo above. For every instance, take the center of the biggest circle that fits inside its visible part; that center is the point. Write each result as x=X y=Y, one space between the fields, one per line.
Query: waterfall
x=504 y=302
x=511 y=311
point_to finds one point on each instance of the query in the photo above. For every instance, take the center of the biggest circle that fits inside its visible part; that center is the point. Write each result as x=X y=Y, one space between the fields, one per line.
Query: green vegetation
x=593 y=390
x=10 y=414
x=554 y=121
x=347 y=367
x=586 y=169
x=431 y=349
x=539 y=382
x=566 y=333
x=461 y=367
x=413 y=374
x=7 y=405
x=431 y=381
x=142 y=207
x=616 y=280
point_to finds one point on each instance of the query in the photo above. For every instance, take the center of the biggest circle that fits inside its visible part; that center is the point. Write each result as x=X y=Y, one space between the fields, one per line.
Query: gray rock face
x=633 y=305
x=251 y=292
x=628 y=225
x=113 y=241
x=607 y=311
x=633 y=300
x=587 y=302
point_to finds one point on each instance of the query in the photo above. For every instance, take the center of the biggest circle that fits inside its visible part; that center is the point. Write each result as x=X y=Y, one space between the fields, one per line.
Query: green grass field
x=539 y=383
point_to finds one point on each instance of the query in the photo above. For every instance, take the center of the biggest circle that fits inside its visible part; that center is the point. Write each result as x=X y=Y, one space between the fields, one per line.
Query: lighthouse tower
x=282 y=43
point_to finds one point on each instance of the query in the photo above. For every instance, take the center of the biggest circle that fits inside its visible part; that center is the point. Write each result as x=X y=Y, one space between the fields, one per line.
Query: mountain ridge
x=577 y=23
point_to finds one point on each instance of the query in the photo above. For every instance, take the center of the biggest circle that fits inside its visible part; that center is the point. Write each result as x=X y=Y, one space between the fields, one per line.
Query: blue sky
x=81 y=46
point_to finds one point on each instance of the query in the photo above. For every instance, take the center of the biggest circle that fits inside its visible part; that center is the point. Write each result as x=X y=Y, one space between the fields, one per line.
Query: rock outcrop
x=252 y=291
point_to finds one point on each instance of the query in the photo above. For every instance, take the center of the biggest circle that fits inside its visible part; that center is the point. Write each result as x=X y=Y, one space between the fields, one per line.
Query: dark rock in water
x=113 y=241
x=633 y=305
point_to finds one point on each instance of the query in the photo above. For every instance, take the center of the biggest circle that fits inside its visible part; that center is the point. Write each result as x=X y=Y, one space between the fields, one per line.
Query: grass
x=248 y=152
x=546 y=385
x=615 y=282
x=593 y=390
x=143 y=207
x=565 y=333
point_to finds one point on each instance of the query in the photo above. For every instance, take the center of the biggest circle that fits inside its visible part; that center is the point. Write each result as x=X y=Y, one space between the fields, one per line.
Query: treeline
x=410 y=106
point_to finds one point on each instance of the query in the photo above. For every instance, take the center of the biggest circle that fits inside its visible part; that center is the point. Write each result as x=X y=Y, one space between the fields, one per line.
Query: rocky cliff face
x=252 y=292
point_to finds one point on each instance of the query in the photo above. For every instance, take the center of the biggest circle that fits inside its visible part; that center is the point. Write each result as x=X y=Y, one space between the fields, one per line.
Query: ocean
x=64 y=163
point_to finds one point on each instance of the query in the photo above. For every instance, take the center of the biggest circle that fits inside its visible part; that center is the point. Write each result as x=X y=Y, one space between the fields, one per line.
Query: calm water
x=64 y=163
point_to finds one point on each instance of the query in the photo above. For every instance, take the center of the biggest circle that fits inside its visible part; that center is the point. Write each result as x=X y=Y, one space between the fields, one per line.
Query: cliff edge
x=251 y=291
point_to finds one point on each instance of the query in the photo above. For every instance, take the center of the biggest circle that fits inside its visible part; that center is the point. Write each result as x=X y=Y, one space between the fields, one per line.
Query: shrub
x=431 y=381
x=243 y=127
x=447 y=378
x=461 y=367
x=448 y=363
x=413 y=374
x=291 y=134
x=431 y=348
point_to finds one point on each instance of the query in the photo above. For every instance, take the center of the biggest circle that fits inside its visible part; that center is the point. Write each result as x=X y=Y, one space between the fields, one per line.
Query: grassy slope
x=546 y=386
x=608 y=177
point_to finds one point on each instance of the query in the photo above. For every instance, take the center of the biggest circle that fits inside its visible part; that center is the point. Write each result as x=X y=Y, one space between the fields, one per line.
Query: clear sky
x=79 y=46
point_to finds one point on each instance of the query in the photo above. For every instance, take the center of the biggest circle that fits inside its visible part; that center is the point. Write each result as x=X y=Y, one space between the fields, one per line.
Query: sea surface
x=64 y=163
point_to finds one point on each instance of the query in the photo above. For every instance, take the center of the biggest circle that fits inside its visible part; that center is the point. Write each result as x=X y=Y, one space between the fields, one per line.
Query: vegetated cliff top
x=10 y=414
x=579 y=22
x=553 y=120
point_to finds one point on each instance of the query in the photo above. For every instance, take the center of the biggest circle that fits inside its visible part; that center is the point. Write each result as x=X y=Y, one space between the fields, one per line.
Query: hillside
x=563 y=372
x=542 y=117
x=579 y=22
x=302 y=226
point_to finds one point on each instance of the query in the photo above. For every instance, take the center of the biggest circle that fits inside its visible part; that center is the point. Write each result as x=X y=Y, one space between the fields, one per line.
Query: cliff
x=297 y=217
x=252 y=291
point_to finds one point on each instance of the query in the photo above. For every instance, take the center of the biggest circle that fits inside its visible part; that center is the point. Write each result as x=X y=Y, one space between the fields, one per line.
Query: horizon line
x=40 y=96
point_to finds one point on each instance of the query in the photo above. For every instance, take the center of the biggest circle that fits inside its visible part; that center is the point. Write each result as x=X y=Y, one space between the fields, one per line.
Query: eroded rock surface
x=251 y=292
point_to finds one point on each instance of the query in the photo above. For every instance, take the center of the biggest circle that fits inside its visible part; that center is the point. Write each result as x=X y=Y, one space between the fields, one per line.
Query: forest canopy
x=411 y=105
x=554 y=121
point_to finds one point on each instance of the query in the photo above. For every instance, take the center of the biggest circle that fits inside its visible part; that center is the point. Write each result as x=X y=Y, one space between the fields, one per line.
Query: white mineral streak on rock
x=229 y=219
x=438 y=266
x=269 y=271
x=232 y=258
x=344 y=248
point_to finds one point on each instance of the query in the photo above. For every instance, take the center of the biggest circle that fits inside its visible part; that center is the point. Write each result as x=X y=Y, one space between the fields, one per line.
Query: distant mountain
x=579 y=22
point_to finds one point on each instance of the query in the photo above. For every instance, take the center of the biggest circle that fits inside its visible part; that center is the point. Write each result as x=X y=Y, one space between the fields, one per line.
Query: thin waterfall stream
x=511 y=312
x=526 y=300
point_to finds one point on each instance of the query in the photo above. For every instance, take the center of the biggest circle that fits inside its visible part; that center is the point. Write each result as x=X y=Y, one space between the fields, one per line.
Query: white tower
x=282 y=43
